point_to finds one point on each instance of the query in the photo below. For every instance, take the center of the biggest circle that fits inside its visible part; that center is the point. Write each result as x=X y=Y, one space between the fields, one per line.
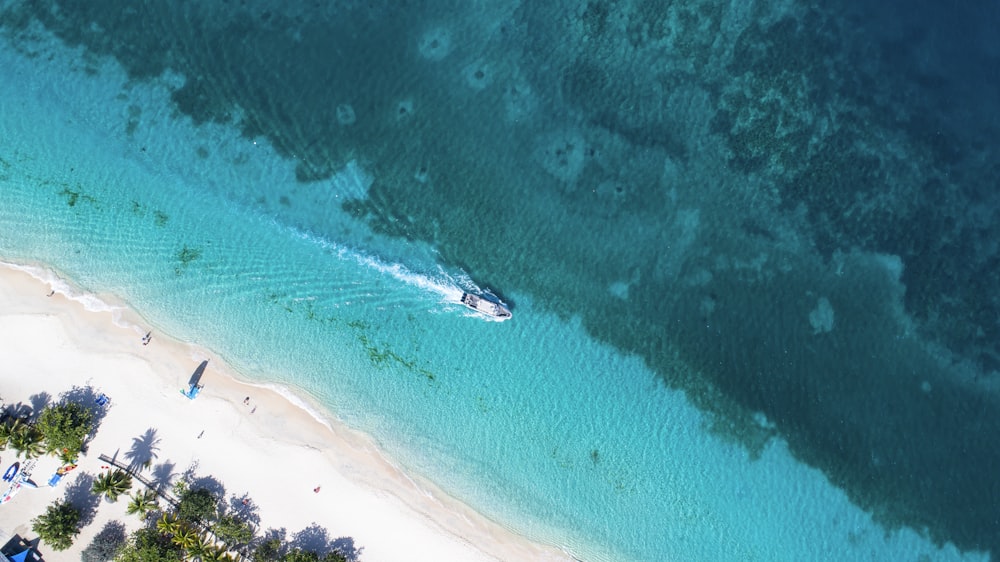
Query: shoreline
x=275 y=450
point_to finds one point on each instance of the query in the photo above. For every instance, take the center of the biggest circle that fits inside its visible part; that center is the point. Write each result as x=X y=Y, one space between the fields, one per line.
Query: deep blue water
x=751 y=251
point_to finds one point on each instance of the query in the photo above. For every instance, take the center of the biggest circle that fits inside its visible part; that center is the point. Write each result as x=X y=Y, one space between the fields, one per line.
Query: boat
x=485 y=305
x=11 y=472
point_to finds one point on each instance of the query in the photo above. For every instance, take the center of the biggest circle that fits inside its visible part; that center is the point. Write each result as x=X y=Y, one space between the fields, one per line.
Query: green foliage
x=26 y=440
x=67 y=456
x=112 y=484
x=186 y=537
x=142 y=503
x=58 y=526
x=197 y=505
x=6 y=431
x=168 y=524
x=233 y=531
x=299 y=555
x=200 y=548
x=65 y=427
x=217 y=554
x=148 y=545
x=268 y=551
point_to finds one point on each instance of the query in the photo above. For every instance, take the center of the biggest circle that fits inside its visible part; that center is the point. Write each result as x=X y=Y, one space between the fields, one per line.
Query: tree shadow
x=317 y=539
x=346 y=546
x=313 y=538
x=189 y=472
x=79 y=493
x=18 y=410
x=163 y=475
x=271 y=534
x=39 y=402
x=243 y=508
x=144 y=451
x=210 y=483
x=105 y=543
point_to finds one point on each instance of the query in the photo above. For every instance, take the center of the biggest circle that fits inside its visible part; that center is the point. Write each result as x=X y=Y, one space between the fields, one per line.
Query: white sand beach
x=273 y=451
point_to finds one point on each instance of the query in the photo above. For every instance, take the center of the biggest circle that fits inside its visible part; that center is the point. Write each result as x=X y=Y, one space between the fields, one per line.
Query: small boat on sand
x=487 y=305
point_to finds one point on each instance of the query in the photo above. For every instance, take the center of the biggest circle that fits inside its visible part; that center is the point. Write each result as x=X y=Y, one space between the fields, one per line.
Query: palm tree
x=26 y=440
x=168 y=524
x=185 y=537
x=217 y=554
x=142 y=503
x=112 y=484
x=200 y=548
x=6 y=430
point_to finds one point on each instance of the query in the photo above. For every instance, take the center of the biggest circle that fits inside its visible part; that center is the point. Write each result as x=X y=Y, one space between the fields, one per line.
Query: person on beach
x=52 y=293
x=200 y=434
x=316 y=489
x=246 y=401
x=254 y=409
x=146 y=338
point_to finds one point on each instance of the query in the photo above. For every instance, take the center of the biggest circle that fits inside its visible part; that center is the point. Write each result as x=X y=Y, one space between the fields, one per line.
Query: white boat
x=485 y=305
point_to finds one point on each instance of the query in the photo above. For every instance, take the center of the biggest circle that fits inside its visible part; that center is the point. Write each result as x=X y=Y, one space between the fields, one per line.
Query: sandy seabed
x=271 y=451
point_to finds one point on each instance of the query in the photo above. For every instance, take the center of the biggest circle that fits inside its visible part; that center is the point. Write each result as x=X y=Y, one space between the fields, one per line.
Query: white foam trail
x=450 y=291
x=89 y=301
x=443 y=284
x=353 y=179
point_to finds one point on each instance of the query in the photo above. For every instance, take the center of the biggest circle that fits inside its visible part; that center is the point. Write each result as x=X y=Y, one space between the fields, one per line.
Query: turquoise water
x=702 y=363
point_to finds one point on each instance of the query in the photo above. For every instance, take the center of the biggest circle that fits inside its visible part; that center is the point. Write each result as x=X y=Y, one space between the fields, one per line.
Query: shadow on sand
x=163 y=476
x=195 y=379
x=79 y=493
x=243 y=508
x=317 y=539
x=106 y=543
x=313 y=539
x=145 y=449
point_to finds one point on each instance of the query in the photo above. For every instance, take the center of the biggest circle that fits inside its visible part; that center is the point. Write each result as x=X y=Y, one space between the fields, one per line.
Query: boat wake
x=453 y=290
x=449 y=287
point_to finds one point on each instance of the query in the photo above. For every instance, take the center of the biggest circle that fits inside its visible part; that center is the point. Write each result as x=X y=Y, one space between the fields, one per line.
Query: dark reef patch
x=185 y=257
